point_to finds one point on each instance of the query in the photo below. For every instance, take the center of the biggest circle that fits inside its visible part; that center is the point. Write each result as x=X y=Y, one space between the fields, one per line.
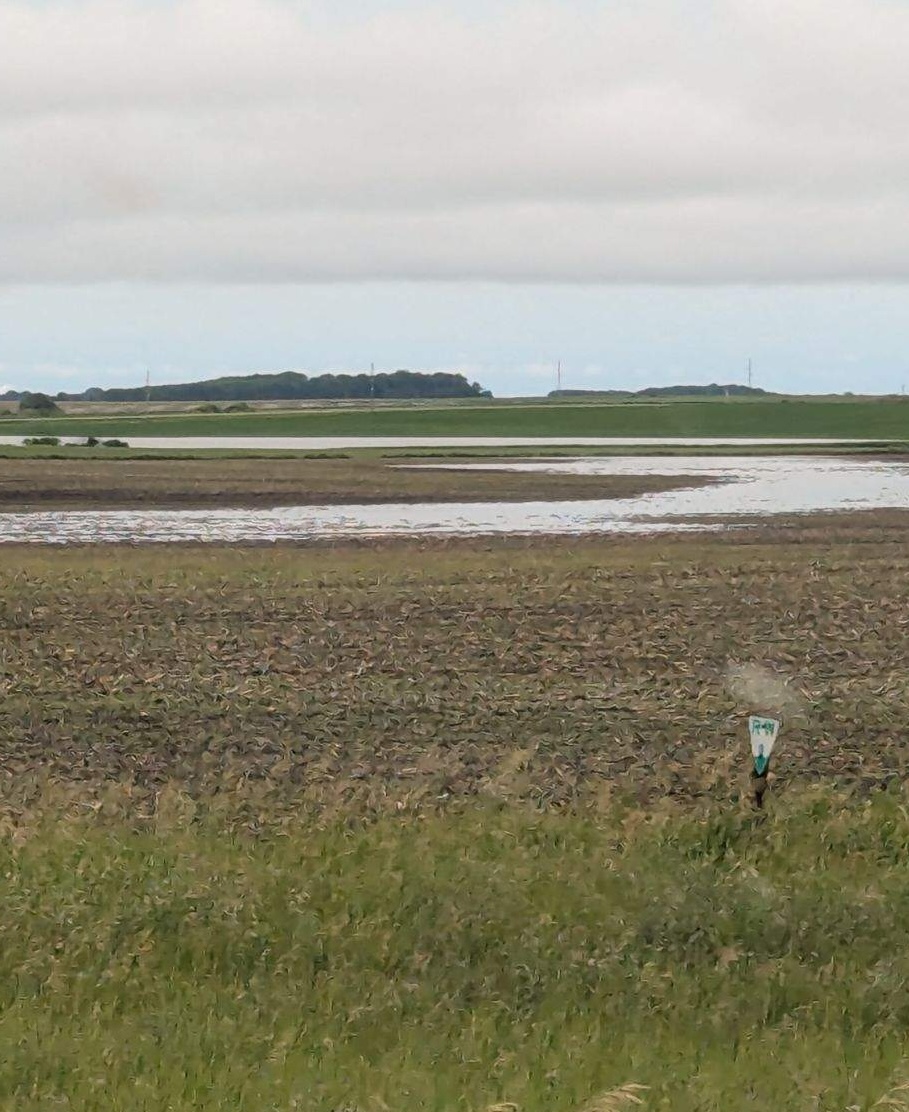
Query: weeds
x=488 y=957
x=616 y=1099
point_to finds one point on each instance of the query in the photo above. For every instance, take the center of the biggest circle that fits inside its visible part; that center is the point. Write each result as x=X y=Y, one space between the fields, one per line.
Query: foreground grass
x=878 y=419
x=487 y=957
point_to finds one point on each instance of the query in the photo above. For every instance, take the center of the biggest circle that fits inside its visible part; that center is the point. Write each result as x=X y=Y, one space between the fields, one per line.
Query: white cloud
x=257 y=140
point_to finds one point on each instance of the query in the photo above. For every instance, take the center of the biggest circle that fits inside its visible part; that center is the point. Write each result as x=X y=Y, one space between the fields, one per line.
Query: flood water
x=746 y=489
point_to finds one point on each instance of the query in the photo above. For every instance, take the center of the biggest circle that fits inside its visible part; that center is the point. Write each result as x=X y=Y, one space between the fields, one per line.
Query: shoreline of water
x=746 y=489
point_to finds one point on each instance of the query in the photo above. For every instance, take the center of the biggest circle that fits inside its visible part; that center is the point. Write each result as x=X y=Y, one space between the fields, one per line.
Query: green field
x=879 y=419
x=454 y=825
x=77 y=454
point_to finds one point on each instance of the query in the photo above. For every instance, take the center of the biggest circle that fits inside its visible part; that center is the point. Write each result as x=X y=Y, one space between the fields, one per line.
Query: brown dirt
x=125 y=483
x=416 y=674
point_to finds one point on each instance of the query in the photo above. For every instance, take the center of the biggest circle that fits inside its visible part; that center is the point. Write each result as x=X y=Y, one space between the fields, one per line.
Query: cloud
x=264 y=140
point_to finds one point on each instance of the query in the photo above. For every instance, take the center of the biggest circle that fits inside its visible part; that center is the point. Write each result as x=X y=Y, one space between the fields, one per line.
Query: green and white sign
x=763 y=733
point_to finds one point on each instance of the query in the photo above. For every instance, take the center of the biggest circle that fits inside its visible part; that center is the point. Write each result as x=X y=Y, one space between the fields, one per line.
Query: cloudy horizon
x=739 y=165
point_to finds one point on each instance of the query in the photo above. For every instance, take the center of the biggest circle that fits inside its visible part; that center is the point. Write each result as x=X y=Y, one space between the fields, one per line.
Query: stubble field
x=428 y=669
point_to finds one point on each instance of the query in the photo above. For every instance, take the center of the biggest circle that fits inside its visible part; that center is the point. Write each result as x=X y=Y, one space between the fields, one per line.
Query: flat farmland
x=874 y=419
x=556 y=671
x=433 y=825
x=99 y=483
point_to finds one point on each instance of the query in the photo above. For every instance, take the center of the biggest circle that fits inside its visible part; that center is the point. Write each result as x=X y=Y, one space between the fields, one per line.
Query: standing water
x=744 y=489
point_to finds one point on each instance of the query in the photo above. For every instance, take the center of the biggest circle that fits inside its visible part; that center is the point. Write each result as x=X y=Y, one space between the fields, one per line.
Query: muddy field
x=124 y=483
x=415 y=674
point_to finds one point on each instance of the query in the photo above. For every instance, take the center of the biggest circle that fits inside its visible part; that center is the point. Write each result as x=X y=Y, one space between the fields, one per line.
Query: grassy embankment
x=881 y=419
x=435 y=826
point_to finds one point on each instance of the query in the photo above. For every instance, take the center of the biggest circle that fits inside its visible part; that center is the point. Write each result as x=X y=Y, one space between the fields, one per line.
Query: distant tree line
x=714 y=390
x=286 y=387
x=39 y=405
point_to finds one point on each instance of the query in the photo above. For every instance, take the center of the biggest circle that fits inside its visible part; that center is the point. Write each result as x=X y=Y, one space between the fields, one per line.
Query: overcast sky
x=650 y=190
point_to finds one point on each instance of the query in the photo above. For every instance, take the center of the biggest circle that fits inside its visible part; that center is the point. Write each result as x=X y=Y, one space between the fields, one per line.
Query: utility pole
x=559 y=375
x=749 y=372
x=147 y=385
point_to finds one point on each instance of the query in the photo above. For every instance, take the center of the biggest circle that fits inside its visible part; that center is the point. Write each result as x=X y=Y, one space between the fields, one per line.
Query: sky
x=651 y=191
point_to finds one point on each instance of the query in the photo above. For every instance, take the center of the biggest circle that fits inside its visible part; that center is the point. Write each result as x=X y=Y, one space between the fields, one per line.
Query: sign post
x=763 y=733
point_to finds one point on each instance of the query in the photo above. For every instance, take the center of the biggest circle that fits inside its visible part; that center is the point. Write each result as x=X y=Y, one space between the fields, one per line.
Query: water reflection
x=746 y=489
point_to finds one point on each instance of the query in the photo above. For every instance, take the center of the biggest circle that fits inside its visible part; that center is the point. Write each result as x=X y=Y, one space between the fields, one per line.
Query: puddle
x=299 y=523
x=748 y=488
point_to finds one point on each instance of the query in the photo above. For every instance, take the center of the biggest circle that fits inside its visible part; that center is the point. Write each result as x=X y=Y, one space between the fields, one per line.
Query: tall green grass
x=483 y=957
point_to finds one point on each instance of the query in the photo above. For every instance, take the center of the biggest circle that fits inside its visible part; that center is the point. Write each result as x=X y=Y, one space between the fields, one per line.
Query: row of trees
x=714 y=390
x=288 y=386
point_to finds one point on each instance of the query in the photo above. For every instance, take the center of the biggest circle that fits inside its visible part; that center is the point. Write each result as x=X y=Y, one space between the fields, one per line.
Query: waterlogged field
x=454 y=825
x=99 y=482
x=238 y=501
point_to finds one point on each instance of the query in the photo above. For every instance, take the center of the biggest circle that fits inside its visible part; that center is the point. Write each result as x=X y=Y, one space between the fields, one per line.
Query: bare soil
x=416 y=674
x=125 y=483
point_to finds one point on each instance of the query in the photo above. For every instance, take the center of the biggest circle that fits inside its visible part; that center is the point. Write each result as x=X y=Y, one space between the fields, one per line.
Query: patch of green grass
x=488 y=957
x=871 y=448
x=81 y=452
x=864 y=419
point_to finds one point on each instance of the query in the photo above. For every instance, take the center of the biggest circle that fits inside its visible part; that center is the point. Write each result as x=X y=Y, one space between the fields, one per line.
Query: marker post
x=762 y=733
